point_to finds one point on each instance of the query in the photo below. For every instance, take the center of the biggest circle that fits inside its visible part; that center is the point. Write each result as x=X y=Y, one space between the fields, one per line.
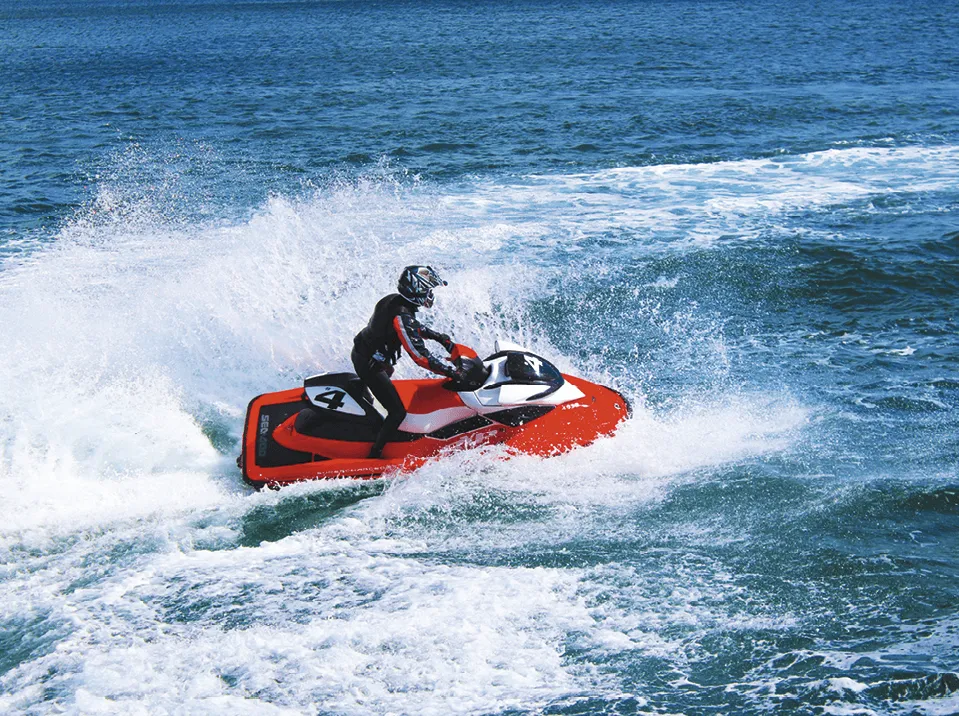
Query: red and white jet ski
x=326 y=428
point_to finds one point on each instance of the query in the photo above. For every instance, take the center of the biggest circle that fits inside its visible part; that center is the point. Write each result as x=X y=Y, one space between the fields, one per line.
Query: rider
x=377 y=347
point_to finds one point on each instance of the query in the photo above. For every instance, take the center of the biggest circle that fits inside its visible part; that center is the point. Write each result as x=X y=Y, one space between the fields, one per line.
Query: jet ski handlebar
x=474 y=371
x=462 y=351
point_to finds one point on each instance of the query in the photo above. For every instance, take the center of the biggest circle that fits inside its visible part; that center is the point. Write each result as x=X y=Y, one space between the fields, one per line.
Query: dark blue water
x=744 y=215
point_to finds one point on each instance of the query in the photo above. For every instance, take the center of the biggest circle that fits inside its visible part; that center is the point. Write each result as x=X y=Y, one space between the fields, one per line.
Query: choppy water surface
x=745 y=216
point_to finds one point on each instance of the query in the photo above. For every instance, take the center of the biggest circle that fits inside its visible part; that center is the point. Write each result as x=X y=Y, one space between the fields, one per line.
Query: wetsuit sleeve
x=411 y=336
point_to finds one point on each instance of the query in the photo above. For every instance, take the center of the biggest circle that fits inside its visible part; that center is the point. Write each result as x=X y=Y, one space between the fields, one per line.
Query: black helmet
x=416 y=285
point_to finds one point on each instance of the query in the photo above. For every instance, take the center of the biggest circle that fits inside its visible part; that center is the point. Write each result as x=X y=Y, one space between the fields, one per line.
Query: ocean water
x=743 y=215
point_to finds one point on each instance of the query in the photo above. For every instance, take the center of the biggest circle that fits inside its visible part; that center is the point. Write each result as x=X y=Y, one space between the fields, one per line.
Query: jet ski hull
x=515 y=398
x=275 y=453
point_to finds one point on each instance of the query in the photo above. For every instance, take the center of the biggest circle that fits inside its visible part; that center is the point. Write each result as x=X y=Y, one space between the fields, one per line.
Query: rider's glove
x=445 y=341
x=455 y=373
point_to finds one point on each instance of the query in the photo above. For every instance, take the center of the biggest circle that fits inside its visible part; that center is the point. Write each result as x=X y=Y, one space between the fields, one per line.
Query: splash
x=134 y=341
x=135 y=344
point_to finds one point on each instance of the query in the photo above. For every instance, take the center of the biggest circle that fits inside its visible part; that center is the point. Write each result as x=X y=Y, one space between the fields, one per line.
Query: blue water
x=743 y=215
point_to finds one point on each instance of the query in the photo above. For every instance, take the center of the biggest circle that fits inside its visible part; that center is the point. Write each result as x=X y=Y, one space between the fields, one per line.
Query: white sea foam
x=664 y=206
x=945 y=706
x=347 y=617
x=331 y=627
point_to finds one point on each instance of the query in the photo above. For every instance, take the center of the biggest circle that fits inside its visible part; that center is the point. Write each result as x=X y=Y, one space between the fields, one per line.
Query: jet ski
x=325 y=428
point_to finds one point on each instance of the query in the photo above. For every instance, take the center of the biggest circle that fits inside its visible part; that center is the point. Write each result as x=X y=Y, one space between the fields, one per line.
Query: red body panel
x=425 y=396
x=565 y=427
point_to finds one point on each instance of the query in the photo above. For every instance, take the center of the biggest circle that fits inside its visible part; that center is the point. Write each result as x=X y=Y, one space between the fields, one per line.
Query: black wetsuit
x=376 y=349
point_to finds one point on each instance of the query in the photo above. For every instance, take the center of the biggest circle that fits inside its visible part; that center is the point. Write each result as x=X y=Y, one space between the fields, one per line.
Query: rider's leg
x=382 y=387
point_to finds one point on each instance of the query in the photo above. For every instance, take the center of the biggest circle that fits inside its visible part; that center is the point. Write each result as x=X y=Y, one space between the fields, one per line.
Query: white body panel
x=428 y=422
x=485 y=400
x=500 y=346
x=493 y=396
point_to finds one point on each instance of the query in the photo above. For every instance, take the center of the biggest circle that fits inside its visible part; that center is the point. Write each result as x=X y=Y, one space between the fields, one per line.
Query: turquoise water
x=743 y=215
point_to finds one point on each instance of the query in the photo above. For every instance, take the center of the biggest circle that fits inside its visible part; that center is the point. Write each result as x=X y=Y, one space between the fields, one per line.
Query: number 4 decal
x=332 y=398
